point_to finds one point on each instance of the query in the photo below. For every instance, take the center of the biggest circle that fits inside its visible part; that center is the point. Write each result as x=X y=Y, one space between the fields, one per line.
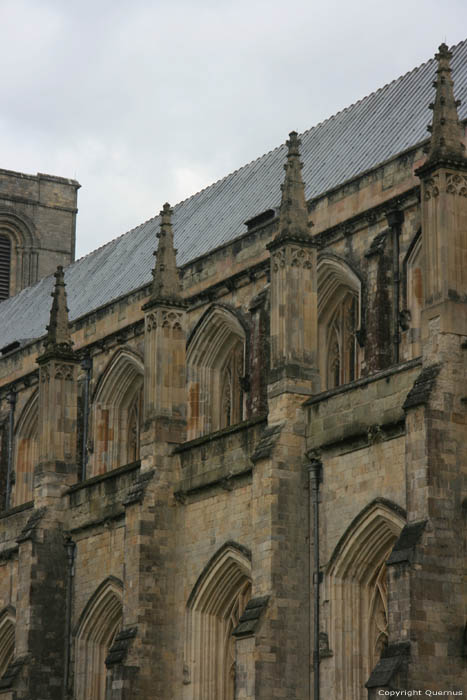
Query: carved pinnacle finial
x=166 y=282
x=58 y=332
x=446 y=131
x=293 y=216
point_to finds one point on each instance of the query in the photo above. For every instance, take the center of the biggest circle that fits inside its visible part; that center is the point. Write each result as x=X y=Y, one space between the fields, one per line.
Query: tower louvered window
x=5 y=264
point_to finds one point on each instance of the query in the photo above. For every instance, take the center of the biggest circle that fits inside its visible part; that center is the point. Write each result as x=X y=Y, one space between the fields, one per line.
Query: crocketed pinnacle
x=446 y=131
x=293 y=215
x=58 y=332
x=166 y=281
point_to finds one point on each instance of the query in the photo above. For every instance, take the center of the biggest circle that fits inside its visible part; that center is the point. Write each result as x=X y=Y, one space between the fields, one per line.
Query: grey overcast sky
x=151 y=100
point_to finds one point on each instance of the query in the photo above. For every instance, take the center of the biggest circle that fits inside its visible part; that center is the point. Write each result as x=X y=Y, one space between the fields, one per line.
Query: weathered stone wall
x=38 y=214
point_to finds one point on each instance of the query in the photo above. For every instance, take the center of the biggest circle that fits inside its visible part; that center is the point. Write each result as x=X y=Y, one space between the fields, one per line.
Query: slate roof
x=356 y=139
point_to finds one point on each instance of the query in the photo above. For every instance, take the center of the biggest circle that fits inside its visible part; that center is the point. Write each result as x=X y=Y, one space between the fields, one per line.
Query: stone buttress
x=427 y=592
x=42 y=558
x=149 y=613
x=280 y=499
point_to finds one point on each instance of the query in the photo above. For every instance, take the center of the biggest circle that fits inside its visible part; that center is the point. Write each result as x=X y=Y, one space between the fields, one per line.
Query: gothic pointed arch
x=18 y=252
x=26 y=453
x=213 y=610
x=117 y=412
x=7 y=637
x=99 y=622
x=339 y=318
x=216 y=355
x=356 y=587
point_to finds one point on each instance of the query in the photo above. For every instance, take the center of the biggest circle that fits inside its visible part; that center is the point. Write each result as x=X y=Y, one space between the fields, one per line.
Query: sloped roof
x=356 y=139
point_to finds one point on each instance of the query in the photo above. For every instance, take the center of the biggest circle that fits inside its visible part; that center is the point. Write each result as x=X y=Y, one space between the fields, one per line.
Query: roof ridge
x=272 y=150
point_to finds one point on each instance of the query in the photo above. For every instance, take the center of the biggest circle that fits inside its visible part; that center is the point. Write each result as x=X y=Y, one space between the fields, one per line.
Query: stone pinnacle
x=293 y=215
x=58 y=332
x=166 y=282
x=446 y=131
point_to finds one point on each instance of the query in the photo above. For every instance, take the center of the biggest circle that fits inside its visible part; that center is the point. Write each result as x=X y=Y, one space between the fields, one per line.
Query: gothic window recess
x=99 y=626
x=216 y=366
x=341 y=342
x=213 y=614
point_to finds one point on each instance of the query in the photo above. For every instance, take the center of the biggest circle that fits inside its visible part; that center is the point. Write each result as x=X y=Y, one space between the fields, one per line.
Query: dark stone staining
x=137 y=491
x=267 y=442
x=258 y=361
x=404 y=549
x=422 y=388
x=29 y=530
x=120 y=647
x=378 y=353
x=3 y=462
x=393 y=659
x=8 y=680
x=250 y=618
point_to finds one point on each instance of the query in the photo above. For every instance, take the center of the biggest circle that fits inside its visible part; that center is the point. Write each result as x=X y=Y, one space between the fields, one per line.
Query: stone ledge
x=422 y=387
x=404 y=549
x=208 y=480
x=120 y=647
x=390 y=662
x=219 y=434
x=250 y=618
x=112 y=474
x=363 y=381
x=29 y=530
x=13 y=670
x=17 y=509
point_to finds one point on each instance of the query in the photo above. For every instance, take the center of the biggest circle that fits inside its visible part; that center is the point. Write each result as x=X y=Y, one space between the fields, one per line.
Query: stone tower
x=37 y=227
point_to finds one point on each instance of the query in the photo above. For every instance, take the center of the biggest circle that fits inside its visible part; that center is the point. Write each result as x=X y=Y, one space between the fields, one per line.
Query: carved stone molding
x=64 y=371
x=301 y=257
x=431 y=187
x=456 y=184
x=164 y=319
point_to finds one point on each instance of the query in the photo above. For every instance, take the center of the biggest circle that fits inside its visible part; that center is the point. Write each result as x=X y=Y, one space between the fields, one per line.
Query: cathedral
x=238 y=471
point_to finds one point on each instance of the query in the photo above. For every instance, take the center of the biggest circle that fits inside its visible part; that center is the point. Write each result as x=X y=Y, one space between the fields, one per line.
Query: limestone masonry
x=244 y=476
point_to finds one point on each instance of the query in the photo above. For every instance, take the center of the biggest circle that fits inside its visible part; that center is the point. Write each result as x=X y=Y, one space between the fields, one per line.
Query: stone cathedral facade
x=244 y=476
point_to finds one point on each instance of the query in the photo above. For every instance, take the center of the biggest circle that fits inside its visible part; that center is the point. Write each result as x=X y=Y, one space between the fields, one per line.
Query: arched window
x=26 y=452
x=18 y=252
x=117 y=413
x=5 y=266
x=100 y=622
x=7 y=638
x=213 y=611
x=216 y=365
x=356 y=588
x=339 y=292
